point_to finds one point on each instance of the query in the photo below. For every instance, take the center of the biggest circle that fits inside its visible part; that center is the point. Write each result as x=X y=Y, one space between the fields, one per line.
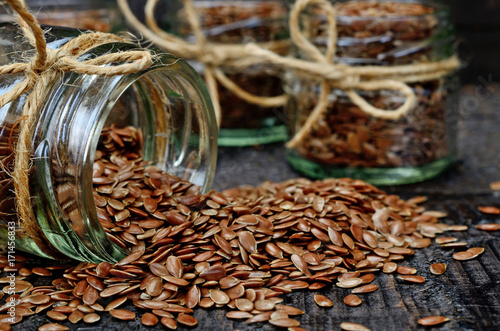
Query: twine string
x=40 y=74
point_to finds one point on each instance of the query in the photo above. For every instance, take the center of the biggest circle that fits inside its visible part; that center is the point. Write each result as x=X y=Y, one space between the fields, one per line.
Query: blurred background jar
x=97 y=15
x=346 y=141
x=240 y=22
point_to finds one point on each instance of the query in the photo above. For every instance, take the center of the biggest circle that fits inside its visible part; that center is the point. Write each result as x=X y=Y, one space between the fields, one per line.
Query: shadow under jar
x=166 y=107
x=346 y=141
x=237 y=23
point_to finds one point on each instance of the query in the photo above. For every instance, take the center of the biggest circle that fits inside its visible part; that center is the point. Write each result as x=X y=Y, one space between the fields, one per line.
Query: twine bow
x=40 y=75
x=212 y=55
x=345 y=77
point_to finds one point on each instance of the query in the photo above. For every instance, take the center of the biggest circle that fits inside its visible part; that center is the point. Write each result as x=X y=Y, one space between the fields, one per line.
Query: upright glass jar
x=167 y=103
x=240 y=22
x=97 y=15
x=346 y=141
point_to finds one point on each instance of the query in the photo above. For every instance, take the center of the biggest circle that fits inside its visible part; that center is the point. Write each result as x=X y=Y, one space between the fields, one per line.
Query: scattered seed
x=39 y=299
x=187 y=319
x=454 y=244
x=263 y=317
x=53 y=327
x=365 y=289
x=276 y=315
x=488 y=227
x=433 y=320
x=219 y=297
x=116 y=303
x=41 y=272
x=244 y=304
x=235 y=314
x=348 y=326
x=495 y=186
x=289 y=310
x=56 y=316
x=213 y=273
x=489 y=210
x=169 y=323
x=389 y=267
x=412 y=278
x=350 y=282
x=406 y=270
x=264 y=305
x=149 y=319
x=322 y=301
x=91 y=318
x=476 y=250
x=352 y=300
x=122 y=314
x=75 y=316
x=445 y=240
x=206 y=303
x=458 y=228
x=463 y=256
x=285 y=322
x=438 y=268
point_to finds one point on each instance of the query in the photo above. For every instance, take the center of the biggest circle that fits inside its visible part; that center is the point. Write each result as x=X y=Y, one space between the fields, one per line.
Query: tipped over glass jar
x=347 y=141
x=243 y=123
x=165 y=108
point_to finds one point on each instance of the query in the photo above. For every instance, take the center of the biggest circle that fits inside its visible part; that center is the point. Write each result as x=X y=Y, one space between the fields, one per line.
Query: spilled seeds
x=242 y=249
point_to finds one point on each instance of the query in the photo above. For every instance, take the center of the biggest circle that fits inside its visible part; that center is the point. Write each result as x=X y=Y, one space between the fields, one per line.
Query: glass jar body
x=239 y=22
x=167 y=103
x=346 y=141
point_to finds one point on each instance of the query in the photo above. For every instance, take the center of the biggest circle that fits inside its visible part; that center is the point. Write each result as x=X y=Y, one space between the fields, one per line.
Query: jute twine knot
x=41 y=73
x=212 y=55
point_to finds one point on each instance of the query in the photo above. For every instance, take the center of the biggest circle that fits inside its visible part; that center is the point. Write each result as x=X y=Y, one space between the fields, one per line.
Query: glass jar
x=346 y=141
x=240 y=22
x=97 y=15
x=167 y=103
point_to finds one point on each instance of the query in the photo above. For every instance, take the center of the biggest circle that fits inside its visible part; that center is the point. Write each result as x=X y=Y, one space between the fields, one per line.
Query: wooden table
x=468 y=293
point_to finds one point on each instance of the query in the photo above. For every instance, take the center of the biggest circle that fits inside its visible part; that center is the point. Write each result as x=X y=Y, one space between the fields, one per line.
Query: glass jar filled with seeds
x=97 y=15
x=103 y=146
x=237 y=23
x=347 y=141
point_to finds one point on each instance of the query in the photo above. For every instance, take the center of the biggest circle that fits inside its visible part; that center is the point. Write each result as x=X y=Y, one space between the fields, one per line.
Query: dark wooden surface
x=468 y=293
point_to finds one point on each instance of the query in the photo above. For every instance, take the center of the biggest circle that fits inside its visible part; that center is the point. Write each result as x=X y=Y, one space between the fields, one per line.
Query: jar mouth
x=381 y=40
x=434 y=9
x=242 y=21
x=167 y=102
x=437 y=15
x=179 y=137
